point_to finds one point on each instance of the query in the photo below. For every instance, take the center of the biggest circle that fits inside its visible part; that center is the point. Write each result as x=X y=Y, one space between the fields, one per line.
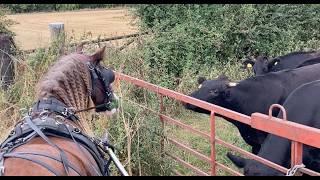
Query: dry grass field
x=33 y=31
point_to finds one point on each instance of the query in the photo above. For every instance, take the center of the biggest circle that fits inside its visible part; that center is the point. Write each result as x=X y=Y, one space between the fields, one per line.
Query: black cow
x=255 y=94
x=302 y=107
x=263 y=65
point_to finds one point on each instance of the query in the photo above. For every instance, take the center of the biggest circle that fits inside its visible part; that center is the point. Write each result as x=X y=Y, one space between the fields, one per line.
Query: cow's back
x=258 y=93
x=292 y=60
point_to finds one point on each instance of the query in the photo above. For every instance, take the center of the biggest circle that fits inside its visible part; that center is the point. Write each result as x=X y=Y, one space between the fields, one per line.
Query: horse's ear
x=98 y=56
x=80 y=48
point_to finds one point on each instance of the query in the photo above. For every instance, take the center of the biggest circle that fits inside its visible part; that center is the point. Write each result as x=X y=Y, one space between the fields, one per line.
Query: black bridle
x=97 y=73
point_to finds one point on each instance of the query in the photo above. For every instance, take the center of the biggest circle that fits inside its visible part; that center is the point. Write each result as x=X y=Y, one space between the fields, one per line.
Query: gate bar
x=252 y=156
x=193 y=168
x=184 y=98
x=184 y=126
x=286 y=129
x=299 y=134
x=213 y=143
x=192 y=151
x=227 y=169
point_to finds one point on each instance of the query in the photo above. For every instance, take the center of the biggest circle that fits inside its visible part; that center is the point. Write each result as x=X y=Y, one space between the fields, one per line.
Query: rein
x=90 y=108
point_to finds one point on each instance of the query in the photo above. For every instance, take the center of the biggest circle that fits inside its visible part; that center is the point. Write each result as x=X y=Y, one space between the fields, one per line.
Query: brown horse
x=55 y=138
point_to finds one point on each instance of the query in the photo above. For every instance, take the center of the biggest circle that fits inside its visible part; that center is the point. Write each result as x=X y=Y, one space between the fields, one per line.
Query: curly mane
x=69 y=81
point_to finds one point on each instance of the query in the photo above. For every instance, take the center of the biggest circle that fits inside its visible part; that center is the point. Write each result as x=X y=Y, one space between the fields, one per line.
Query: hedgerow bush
x=187 y=38
x=24 y=8
x=5 y=23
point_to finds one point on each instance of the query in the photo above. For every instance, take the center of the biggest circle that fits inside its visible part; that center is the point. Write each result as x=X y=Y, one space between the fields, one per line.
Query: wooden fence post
x=6 y=62
x=57 y=35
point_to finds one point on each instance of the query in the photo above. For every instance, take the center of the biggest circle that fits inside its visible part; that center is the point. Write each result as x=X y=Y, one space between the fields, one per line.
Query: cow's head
x=252 y=167
x=261 y=65
x=215 y=91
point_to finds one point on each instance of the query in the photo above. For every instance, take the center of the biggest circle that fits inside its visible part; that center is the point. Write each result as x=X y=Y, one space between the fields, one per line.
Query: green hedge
x=5 y=23
x=189 y=37
x=23 y=8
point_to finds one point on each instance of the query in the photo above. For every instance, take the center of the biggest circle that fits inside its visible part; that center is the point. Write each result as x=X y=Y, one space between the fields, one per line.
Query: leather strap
x=45 y=165
x=63 y=156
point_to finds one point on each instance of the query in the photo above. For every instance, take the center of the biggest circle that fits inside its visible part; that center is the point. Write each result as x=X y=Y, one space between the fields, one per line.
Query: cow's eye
x=214 y=91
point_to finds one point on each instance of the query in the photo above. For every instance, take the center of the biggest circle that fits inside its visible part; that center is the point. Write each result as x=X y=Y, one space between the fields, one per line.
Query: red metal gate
x=297 y=133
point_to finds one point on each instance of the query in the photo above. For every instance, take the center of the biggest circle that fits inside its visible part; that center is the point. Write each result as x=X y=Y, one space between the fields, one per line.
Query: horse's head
x=75 y=83
x=102 y=79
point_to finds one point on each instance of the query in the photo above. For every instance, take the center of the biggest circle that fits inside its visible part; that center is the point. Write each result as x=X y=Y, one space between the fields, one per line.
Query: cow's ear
x=248 y=63
x=201 y=80
x=273 y=62
x=237 y=160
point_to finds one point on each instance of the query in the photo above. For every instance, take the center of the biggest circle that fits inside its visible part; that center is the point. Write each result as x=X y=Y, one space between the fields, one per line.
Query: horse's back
x=49 y=156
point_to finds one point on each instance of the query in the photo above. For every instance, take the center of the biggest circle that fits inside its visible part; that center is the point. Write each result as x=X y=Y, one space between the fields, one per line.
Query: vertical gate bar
x=117 y=82
x=162 y=125
x=296 y=153
x=213 y=143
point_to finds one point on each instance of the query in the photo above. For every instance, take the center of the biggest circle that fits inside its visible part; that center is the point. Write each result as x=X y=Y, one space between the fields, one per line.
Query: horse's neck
x=84 y=121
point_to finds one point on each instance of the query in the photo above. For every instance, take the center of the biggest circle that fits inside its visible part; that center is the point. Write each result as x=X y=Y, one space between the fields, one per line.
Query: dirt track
x=33 y=31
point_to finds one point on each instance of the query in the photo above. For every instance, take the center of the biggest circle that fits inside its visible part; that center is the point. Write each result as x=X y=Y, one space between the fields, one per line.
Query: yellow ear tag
x=200 y=86
x=249 y=65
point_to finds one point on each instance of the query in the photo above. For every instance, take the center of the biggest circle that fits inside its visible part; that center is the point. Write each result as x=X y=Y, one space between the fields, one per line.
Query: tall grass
x=135 y=132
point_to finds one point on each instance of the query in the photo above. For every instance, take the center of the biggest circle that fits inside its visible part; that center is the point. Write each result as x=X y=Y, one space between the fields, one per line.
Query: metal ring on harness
x=44 y=115
x=12 y=133
x=76 y=130
x=292 y=171
x=60 y=118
